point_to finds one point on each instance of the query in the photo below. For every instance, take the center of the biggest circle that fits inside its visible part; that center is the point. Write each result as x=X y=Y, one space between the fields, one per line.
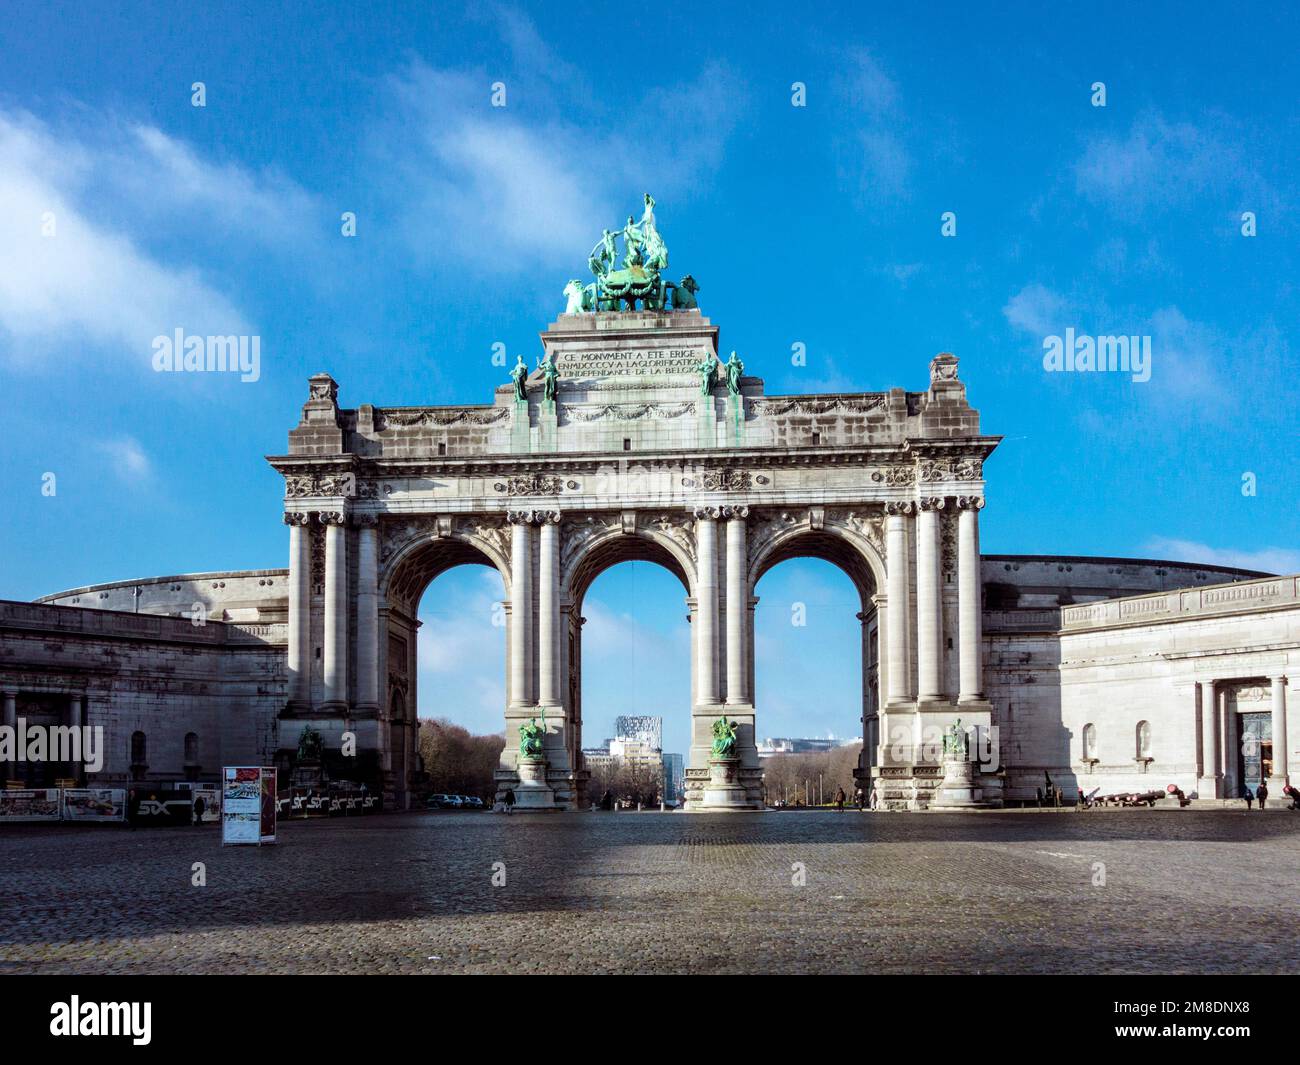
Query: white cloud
x=1163 y=164
x=73 y=275
x=81 y=280
x=872 y=155
x=1036 y=310
x=1268 y=559
x=127 y=459
x=504 y=193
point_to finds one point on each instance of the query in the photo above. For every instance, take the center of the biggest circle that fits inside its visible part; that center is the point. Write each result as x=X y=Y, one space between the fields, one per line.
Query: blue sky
x=816 y=225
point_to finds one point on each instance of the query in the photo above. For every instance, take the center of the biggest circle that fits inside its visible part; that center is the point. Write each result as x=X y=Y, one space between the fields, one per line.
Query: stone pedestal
x=959 y=787
x=532 y=792
x=724 y=790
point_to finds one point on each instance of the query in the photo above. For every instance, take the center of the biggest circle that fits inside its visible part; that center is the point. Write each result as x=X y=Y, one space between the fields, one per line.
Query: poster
x=268 y=806
x=211 y=803
x=247 y=805
x=94 y=804
x=29 y=804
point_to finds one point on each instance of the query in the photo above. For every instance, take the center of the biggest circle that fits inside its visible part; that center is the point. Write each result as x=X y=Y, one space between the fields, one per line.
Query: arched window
x=191 y=766
x=1144 y=740
x=1089 y=742
x=139 y=752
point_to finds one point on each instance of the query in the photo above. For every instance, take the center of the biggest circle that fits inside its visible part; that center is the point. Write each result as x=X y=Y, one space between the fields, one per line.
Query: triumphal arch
x=634 y=438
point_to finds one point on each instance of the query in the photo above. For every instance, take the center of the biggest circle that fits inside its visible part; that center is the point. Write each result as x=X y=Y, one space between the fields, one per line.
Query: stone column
x=1279 y=776
x=548 y=612
x=706 y=608
x=299 y=653
x=896 y=593
x=521 y=605
x=10 y=720
x=367 y=613
x=336 y=611
x=929 y=672
x=1208 y=787
x=970 y=627
x=737 y=605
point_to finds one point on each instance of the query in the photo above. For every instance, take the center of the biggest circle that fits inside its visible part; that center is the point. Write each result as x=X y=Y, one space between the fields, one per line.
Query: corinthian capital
x=897 y=509
x=735 y=512
x=297 y=519
x=521 y=517
x=970 y=502
x=547 y=517
x=706 y=513
x=931 y=503
x=333 y=517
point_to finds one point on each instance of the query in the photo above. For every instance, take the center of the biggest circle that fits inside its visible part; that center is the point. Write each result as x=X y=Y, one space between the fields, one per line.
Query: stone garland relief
x=625 y=411
x=814 y=406
x=405 y=419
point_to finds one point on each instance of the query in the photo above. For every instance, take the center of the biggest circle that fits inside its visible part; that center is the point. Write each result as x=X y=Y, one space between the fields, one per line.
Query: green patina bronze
x=724 y=738
x=734 y=368
x=519 y=375
x=955 y=741
x=638 y=278
x=550 y=377
x=309 y=746
x=707 y=369
x=530 y=739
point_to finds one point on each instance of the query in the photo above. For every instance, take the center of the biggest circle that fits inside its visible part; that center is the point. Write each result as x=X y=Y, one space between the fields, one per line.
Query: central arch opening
x=631 y=673
x=816 y=637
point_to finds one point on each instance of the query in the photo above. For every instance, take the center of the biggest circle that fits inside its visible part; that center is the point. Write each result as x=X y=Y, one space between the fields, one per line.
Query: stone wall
x=162 y=676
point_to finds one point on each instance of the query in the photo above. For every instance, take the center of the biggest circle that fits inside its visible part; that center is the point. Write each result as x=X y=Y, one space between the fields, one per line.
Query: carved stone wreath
x=533 y=484
x=726 y=480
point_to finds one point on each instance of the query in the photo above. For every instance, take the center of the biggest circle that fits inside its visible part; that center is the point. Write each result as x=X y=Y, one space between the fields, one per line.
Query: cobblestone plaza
x=1185 y=891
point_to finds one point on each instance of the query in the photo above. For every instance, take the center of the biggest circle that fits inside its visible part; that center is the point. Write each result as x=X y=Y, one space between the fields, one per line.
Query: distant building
x=674 y=777
x=645 y=730
x=804 y=745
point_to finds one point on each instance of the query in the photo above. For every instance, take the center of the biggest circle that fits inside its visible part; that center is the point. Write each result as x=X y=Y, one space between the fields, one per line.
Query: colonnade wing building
x=633 y=443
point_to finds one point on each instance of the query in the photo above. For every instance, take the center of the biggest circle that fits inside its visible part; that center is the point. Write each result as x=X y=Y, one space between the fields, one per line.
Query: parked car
x=473 y=802
x=441 y=802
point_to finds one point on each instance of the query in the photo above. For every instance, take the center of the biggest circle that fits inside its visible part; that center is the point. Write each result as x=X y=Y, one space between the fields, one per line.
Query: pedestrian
x=859 y=799
x=875 y=797
x=839 y=800
x=1261 y=793
x=1245 y=794
x=199 y=807
x=132 y=808
x=509 y=799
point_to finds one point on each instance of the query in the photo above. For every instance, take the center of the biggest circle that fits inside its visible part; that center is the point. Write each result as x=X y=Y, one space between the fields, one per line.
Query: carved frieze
x=531 y=484
x=439 y=416
x=624 y=411
x=303 y=485
x=726 y=480
x=894 y=476
x=814 y=406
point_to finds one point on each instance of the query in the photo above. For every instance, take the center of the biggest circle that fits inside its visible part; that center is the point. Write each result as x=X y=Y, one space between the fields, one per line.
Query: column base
x=1209 y=788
